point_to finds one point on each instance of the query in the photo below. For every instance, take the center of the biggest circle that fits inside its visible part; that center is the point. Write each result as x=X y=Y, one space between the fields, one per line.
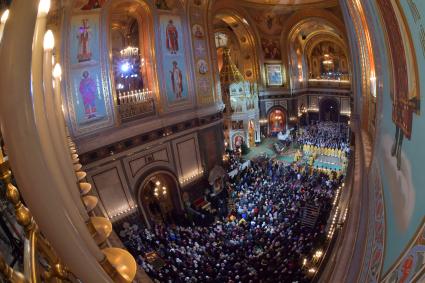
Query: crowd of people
x=261 y=239
x=233 y=159
x=325 y=134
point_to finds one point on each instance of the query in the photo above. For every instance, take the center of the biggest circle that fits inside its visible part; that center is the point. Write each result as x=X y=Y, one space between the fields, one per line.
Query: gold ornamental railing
x=46 y=165
x=41 y=263
x=340 y=84
x=37 y=248
x=135 y=105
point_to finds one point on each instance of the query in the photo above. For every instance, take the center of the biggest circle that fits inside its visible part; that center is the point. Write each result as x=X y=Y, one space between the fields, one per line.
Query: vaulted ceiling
x=295 y=3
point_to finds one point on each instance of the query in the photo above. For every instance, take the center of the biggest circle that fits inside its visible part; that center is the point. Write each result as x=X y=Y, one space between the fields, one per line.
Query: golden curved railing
x=41 y=263
x=54 y=147
x=36 y=246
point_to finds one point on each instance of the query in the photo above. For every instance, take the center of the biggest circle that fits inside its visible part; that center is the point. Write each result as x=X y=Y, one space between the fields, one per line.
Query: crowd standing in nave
x=261 y=239
x=325 y=134
x=234 y=159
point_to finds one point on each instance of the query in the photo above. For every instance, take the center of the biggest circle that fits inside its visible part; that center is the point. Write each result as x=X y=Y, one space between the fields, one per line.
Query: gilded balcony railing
x=41 y=263
x=340 y=84
x=136 y=104
x=46 y=165
x=37 y=248
x=9 y=273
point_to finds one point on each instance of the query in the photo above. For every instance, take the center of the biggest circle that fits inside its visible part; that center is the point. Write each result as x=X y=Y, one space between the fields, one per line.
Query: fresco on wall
x=86 y=5
x=238 y=140
x=88 y=99
x=401 y=134
x=173 y=58
x=202 y=63
x=162 y=5
x=268 y=23
x=409 y=267
x=198 y=31
x=274 y=74
x=84 y=40
x=271 y=49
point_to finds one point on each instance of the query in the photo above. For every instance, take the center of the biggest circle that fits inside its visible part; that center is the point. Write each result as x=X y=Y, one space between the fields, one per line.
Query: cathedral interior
x=212 y=141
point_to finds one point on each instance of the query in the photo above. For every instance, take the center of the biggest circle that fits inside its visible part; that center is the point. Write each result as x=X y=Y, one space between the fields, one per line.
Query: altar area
x=320 y=158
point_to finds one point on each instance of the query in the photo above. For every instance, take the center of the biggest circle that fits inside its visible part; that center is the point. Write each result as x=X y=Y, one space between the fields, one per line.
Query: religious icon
x=93 y=4
x=172 y=38
x=84 y=36
x=269 y=21
x=274 y=74
x=271 y=49
x=202 y=67
x=177 y=81
x=88 y=94
x=238 y=141
x=198 y=31
x=162 y=5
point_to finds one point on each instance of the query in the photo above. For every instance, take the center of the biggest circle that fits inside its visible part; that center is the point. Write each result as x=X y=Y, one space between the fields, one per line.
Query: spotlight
x=125 y=67
x=4 y=16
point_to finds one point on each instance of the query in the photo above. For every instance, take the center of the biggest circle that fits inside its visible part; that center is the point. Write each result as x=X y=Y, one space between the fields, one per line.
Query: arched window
x=130 y=44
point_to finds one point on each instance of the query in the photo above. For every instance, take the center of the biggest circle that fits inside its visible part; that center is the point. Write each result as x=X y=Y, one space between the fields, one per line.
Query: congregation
x=325 y=135
x=261 y=239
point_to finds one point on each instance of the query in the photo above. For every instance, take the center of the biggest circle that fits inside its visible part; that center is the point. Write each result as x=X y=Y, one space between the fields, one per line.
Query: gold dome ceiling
x=292 y=2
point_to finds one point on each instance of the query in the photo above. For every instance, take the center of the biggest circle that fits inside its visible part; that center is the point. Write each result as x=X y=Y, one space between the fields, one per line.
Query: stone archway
x=158 y=197
x=329 y=110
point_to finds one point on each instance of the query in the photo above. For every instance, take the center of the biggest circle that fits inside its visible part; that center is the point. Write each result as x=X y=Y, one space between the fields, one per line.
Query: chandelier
x=130 y=51
x=159 y=191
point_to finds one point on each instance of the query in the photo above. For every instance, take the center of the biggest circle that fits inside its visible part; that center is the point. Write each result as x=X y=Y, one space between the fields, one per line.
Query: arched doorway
x=159 y=198
x=329 y=110
x=277 y=121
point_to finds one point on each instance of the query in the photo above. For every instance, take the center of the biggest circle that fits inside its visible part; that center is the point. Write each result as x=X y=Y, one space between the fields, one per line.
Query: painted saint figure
x=84 y=34
x=93 y=4
x=162 y=5
x=172 y=40
x=88 y=94
x=177 y=81
x=198 y=31
x=238 y=141
x=269 y=21
x=202 y=67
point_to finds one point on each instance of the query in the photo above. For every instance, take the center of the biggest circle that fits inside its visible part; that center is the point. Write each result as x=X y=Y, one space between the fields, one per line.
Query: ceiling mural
x=271 y=49
x=86 y=5
x=269 y=23
x=286 y=2
x=295 y=3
